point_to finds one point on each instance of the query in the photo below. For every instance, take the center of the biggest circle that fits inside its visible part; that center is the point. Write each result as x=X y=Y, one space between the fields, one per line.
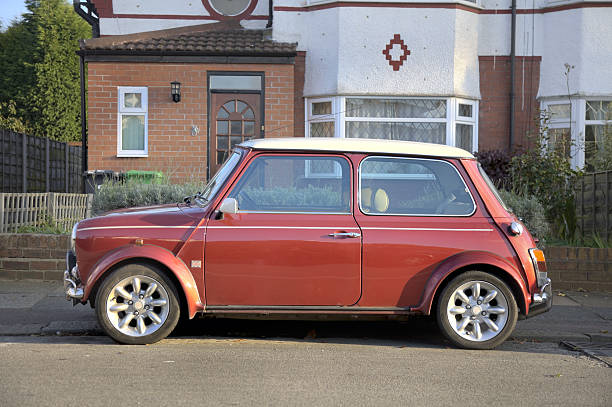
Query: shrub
x=116 y=195
x=496 y=164
x=531 y=211
x=547 y=175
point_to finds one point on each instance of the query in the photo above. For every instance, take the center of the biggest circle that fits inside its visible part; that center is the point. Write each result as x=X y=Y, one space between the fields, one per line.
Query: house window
x=582 y=129
x=597 y=133
x=434 y=120
x=132 y=122
x=230 y=7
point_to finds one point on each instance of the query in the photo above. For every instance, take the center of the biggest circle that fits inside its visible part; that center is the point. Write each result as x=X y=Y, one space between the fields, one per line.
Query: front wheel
x=137 y=304
x=477 y=310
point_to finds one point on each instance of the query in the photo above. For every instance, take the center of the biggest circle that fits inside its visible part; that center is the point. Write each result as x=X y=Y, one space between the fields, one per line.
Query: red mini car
x=317 y=226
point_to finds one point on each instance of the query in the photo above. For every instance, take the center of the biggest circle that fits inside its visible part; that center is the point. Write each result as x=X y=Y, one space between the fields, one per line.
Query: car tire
x=476 y=310
x=137 y=304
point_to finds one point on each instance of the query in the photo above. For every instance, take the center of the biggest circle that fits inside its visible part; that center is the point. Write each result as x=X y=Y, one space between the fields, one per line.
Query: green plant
x=547 y=175
x=40 y=69
x=302 y=197
x=45 y=226
x=531 y=211
x=116 y=195
x=496 y=164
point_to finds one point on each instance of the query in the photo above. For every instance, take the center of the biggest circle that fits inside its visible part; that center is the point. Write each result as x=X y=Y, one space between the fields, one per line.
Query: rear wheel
x=477 y=310
x=137 y=304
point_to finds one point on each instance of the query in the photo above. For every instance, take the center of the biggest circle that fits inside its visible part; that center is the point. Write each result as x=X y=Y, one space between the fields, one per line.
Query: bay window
x=582 y=128
x=448 y=121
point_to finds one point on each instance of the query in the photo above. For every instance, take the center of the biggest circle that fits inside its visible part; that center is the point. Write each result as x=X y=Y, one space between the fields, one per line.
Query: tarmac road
x=93 y=371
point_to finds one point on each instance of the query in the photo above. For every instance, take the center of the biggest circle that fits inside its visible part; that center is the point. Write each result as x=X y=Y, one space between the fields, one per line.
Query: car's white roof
x=357 y=145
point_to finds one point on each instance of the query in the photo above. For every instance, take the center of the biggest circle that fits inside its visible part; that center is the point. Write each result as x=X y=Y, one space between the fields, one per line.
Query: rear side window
x=412 y=186
x=295 y=184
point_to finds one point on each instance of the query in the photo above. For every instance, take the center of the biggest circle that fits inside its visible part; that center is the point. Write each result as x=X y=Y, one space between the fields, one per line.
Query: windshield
x=492 y=187
x=219 y=179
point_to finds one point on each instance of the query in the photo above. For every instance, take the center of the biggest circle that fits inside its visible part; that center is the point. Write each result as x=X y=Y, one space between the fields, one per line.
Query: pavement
x=40 y=308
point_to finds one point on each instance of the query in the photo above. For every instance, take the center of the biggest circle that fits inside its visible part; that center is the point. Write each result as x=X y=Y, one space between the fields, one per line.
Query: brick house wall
x=494 y=116
x=172 y=148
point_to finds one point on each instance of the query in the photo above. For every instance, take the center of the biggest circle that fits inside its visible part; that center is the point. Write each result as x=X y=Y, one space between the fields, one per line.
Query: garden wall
x=580 y=267
x=42 y=257
x=33 y=256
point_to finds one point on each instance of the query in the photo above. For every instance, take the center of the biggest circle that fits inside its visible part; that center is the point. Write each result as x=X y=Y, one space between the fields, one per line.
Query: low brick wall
x=33 y=256
x=43 y=257
x=580 y=267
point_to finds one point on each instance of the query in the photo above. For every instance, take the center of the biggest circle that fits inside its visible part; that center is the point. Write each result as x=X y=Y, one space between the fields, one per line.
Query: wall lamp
x=175 y=91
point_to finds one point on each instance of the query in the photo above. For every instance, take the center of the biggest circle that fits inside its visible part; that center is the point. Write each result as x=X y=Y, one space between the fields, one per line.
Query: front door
x=293 y=242
x=235 y=117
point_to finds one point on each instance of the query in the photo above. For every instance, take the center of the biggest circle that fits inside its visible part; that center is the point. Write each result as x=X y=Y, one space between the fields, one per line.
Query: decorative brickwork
x=172 y=147
x=33 y=257
x=494 y=109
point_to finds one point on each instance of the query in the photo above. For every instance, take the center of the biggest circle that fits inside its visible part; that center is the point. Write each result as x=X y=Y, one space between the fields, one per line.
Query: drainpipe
x=512 y=76
x=270 y=10
x=83 y=120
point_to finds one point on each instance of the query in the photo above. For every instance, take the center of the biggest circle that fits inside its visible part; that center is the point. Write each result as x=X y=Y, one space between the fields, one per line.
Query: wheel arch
x=155 y=256
x=483 y=261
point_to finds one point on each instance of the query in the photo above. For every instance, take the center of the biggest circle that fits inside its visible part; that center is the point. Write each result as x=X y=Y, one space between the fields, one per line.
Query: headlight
x=73 y=237
x=539 y=265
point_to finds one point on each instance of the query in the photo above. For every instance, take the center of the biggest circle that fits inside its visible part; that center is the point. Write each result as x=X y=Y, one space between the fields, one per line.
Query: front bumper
x=542 y=301
x=72 y=282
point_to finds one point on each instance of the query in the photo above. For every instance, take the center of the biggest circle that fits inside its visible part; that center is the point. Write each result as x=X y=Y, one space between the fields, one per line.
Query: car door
x=293 y=241
x=414 y=214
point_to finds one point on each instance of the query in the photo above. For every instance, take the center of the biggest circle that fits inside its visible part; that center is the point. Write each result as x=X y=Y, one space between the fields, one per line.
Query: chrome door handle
x=345 y=234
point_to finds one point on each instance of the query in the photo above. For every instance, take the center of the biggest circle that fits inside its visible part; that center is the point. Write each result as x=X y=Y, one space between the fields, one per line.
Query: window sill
x=132 y=155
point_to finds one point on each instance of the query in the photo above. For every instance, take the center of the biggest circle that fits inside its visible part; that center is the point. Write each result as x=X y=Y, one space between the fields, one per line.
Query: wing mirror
x=229 y=205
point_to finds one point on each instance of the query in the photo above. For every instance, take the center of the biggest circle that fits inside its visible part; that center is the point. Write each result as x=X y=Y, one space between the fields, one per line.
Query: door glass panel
x=223 y=114
x=230 y=106
x=235 y=140
x=221 y=156
x=235 y=82
x=248 y=114
x=222 y=142
x=236 y=127
x=249 y=128
x=417 y=187
x=222 y=127
x=285 y=184
x=241 y=106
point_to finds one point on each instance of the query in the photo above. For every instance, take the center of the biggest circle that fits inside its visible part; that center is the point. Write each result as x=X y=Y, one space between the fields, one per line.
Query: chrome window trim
x=413 y=215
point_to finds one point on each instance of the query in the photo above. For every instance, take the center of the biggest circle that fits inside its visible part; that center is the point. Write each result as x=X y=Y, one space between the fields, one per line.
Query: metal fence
x=37 y=164
x=594 y=204
x=33 y=210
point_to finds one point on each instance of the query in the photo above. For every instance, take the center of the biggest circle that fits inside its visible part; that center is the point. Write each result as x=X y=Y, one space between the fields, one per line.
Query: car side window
x=295 y=184
x=412 y=186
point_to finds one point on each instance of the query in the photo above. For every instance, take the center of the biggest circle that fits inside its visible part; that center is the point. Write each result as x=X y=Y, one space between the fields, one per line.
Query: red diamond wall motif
x=396 y=63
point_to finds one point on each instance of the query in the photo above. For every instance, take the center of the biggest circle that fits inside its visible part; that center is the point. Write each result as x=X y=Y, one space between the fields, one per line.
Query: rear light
x=539 y=265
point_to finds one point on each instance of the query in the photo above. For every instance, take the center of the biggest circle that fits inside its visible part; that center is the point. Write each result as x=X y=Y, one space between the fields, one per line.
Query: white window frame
x=338 y=115
x=131 y=111
x=578 y=123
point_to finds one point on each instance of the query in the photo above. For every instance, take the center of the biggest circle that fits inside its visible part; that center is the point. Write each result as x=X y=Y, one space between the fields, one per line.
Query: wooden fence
x=37 y=164
x=594 y=204
x=59 y=209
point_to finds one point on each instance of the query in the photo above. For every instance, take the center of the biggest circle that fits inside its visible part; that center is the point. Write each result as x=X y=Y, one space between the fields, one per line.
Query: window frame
x=339 y=118
x=428 y=215
x=577 y=125
x=132 y=111
x=238 y=183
